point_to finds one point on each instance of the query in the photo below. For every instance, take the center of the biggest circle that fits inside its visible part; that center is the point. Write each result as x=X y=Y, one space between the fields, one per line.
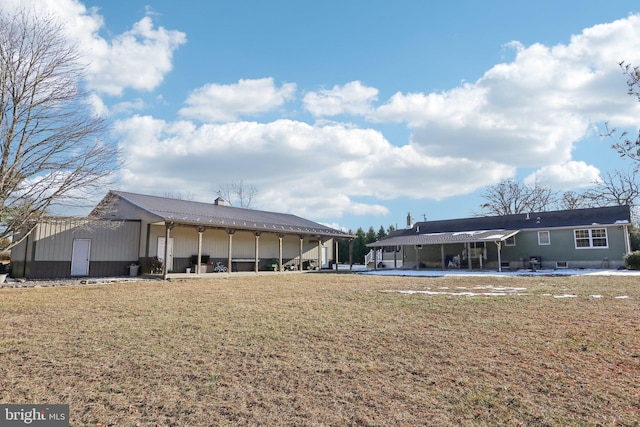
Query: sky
x=356 y=113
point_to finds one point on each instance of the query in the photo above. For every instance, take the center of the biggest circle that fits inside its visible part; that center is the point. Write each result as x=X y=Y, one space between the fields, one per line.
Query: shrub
x=633 y=260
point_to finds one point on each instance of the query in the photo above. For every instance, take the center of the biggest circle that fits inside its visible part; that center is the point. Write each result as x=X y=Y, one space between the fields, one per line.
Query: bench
x=236 y=261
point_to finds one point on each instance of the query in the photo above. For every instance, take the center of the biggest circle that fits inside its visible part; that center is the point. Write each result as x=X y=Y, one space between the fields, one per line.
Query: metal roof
x=497 y=228
x=220 y=216
x=446 y=238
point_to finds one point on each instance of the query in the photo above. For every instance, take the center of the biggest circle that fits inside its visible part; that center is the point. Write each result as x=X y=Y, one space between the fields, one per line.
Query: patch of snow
x=595 y=296
x=565 y=296
x=500 y=291
x=491 y=273
x=622 y=297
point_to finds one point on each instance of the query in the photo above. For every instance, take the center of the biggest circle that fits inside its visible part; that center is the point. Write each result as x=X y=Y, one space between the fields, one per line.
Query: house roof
x=498 y=228
x=214 y=215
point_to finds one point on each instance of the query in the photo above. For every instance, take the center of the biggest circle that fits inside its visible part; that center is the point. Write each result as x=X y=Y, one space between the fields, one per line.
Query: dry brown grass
x=326 y=350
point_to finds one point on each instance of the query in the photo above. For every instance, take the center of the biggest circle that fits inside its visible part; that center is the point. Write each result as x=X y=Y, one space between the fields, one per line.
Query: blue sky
x=354 y=113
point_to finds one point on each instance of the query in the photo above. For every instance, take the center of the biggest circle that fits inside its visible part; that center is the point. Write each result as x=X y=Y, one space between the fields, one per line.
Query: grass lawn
x=328 y=350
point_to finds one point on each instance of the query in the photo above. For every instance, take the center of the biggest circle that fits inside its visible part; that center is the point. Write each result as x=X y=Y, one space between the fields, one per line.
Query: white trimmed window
x=510 y=241
x=544 y=238
x=591 y=238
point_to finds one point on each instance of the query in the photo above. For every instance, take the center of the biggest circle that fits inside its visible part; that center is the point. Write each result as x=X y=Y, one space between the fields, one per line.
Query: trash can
x=133 y=270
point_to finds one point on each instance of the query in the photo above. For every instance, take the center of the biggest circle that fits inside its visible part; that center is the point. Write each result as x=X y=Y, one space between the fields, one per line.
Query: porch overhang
x=444 y=238
x=253 y=226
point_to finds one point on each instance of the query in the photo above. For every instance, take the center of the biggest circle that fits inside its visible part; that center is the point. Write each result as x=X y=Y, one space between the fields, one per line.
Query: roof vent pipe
x=409 y=220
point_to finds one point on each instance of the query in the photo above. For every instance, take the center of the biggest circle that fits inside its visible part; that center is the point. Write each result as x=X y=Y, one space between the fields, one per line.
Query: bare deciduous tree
x=50 y=146
x=627 y=146
x=617 y=189
x=572 y=200
x=510 y=197
x=238 y=194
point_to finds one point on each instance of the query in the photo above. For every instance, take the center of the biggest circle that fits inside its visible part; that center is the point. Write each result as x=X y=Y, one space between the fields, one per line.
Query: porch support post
x=417 y=257
x=395 y=257
x=469 y=255
x=301 y=248
x=375 y=258
x=350 y=254
x=319 y=252
x=442 y=256
x=167 y=236
x=280 y=237
x=255 y=267
x=499 y=245
x=200 y=232
x=335 y=255
x=230 y=250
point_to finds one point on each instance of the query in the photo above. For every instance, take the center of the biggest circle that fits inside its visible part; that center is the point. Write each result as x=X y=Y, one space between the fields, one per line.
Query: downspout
x=627 y=242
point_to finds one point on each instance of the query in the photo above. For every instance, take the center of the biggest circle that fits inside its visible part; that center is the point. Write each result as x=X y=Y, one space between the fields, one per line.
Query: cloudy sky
x=354 y=113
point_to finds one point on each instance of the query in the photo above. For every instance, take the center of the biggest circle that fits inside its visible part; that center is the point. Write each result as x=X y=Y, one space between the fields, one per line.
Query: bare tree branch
x=51 y=153
x=627 y=146
x=238 y=194
x=572 y=200
x=510 y=197
x=618 y=189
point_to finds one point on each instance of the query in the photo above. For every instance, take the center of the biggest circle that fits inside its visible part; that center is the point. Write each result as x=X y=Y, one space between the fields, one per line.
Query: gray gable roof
x=212 y=215
x=550 y=219
x=499 y=227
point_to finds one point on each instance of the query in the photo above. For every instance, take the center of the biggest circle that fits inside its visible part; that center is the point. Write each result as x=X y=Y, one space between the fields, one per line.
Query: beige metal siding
x=110 y=241
x=215 y=243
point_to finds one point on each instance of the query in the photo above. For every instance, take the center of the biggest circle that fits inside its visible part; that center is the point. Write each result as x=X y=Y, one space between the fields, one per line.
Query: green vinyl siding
x=563 y=245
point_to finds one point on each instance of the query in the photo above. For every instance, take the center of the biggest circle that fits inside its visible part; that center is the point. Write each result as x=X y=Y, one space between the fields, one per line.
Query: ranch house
x=579 y=238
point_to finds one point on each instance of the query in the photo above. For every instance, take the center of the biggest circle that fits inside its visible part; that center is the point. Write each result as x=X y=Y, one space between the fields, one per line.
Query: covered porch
x=459 y=250
x=175 y=248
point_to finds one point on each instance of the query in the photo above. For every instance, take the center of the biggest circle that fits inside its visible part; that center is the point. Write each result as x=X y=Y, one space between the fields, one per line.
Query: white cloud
x=317 y=171
x=565 y=176
x=352 y=98
x=219 y=103
x=136 y=59
x=532 y=111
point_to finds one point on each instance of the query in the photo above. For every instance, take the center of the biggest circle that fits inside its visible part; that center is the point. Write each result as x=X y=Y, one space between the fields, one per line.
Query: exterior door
x=161 y=241
x=325 y=257
x=80 y=257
